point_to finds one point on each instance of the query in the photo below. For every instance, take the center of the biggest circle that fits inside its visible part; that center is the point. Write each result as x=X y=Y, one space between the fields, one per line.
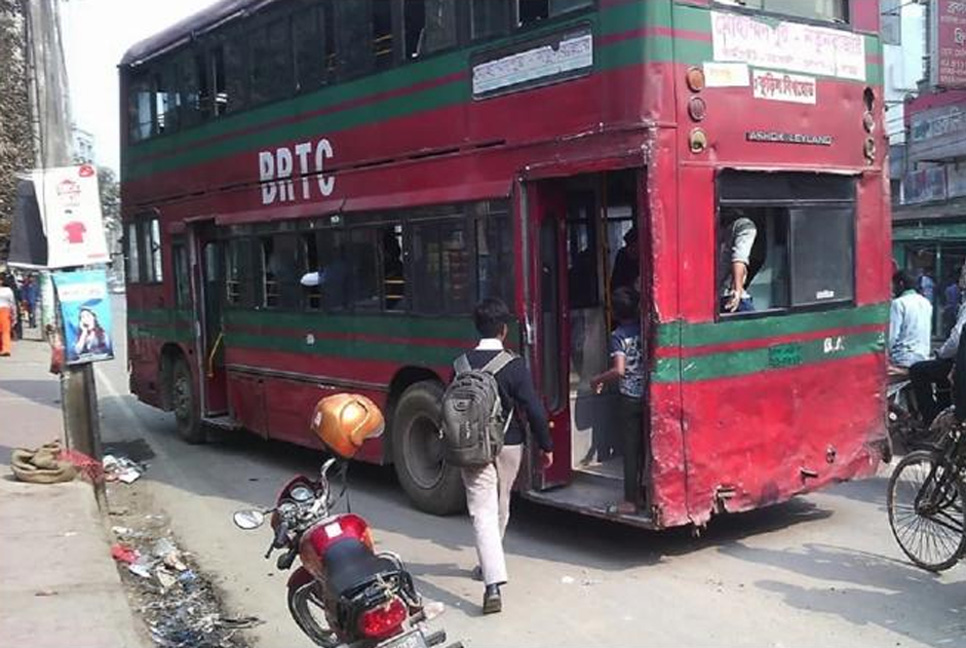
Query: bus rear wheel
x=184 y=397
x=431 y=484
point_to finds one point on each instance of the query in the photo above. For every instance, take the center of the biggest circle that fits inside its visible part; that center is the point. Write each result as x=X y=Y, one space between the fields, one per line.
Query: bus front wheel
x=432 y=485
x=187 y=411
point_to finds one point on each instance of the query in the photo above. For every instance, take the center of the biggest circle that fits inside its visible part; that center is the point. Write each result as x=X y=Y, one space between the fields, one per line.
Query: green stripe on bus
x=406 y=326
x=776 y=357
x=674 y=334
x=355 y=349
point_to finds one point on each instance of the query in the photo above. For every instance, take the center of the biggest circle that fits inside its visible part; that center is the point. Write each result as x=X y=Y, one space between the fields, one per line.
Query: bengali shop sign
x=948 y=56
x=788 y=46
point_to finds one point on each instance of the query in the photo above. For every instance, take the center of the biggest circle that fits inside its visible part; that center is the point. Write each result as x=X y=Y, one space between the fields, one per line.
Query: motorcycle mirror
x=248 y=519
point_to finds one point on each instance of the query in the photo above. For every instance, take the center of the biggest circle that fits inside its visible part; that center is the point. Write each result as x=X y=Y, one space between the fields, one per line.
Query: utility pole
x=49 y=98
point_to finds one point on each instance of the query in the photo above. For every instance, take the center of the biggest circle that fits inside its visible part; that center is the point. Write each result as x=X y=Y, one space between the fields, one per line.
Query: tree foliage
x=16 y=133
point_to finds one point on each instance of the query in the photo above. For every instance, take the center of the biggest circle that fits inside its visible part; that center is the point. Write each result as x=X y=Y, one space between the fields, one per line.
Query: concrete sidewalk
x=58 y=583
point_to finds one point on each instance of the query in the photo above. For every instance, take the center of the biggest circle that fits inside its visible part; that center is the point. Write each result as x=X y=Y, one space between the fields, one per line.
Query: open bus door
x=579 y=227
x=207 y=271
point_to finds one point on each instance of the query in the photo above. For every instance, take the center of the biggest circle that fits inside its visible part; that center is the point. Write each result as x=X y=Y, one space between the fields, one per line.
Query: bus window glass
x=532 y=11
x=265 y=265
x=334 y=279
x=152 y=248
x=393 y=272
x=182 y=281
x=188 y=91
x=583 y=284
x=330 y=44
x=429 y=26
x=382 y=37
x=229 y=75
x=362 y=257
x=140 y=113
x=791 y=235
x=494 y=252
x=354 y=31
x=442 y=268
x=165 y=101
x=558 y=7
x=283 y=267
x=309 y=256
x=133 y=269
x=828 y=10
x=309 y=52
x=488 y=18
x=238 y=275
x=271 y=70
x=822 y=255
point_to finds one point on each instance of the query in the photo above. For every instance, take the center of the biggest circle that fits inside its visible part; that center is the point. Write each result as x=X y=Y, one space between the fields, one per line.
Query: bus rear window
x=827 y=10
x=785 y=242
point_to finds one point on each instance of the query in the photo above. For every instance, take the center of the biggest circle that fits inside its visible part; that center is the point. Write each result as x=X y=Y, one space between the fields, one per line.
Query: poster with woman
x=85 y=312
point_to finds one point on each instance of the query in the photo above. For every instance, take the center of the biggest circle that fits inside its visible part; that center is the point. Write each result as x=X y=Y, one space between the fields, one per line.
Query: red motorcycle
x=344 y=593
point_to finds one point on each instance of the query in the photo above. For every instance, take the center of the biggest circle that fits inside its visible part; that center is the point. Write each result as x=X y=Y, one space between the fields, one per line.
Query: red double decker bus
x=422 y=154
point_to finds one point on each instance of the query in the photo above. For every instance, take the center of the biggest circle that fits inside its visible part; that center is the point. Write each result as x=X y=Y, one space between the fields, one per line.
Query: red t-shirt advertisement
x=70 y=208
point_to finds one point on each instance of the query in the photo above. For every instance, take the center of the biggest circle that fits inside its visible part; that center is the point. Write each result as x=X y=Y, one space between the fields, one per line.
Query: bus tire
x=417 y=452
x=187 y=407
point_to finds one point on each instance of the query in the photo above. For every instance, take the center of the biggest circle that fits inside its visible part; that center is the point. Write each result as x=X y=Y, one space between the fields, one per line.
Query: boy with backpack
x=484 y=436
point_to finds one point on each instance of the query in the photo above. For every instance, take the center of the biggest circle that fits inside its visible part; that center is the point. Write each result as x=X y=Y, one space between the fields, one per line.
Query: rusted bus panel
x=767 y=436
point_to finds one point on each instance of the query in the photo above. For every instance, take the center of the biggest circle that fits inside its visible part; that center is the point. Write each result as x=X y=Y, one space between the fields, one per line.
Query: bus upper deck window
x=429 y=26
x=489 y=18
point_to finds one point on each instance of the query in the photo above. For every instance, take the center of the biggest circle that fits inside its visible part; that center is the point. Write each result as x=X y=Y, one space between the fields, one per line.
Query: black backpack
x=474 y=426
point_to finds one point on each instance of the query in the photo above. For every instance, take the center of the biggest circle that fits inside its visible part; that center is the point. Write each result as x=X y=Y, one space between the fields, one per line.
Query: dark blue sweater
x=517 y=392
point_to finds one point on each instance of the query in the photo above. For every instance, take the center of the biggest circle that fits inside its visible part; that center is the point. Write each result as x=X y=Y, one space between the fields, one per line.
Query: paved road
x=821 y=570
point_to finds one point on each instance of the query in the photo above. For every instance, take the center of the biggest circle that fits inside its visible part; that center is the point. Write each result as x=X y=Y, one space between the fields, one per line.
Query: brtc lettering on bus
x=286 y=173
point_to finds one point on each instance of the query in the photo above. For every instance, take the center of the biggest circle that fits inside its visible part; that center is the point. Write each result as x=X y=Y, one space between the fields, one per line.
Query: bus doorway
x=589 y=247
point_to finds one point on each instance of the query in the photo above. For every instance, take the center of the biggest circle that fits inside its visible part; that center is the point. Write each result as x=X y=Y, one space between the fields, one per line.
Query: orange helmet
x=343 y=422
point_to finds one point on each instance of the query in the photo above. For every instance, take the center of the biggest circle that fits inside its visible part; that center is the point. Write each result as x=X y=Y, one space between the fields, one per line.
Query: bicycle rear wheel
x=926 y=510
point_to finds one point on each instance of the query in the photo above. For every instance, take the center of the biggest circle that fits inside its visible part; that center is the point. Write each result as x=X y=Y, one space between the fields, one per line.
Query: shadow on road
x=875 y=590
x=259 y=467
x=41 y=392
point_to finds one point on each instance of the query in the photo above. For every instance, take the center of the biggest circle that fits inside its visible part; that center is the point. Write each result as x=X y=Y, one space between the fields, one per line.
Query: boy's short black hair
x=625 y=302
x=489 y=316
x=904 y=280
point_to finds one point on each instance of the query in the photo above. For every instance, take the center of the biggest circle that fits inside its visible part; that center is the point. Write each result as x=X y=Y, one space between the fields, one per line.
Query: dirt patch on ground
x=178 y=603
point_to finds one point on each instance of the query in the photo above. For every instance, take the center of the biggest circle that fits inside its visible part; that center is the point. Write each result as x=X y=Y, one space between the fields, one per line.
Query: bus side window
x=428 y=26
x=354 y=29
x=238 y=276
x=793 y=234
x=309 y=256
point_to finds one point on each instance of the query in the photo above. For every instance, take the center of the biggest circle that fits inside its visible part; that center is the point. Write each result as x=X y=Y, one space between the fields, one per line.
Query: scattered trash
x=165 y=578
x=121 y=469
x=239 y=623
x=567 y=580
x=70 y=534
x=162 y=547
x=46 y=593
x=177 y=603
x=123 y=553
x=141 y=567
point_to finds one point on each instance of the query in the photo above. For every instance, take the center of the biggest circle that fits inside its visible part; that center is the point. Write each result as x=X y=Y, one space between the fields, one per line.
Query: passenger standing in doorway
x=627 y=368
x=737 y=241
x=627 y=265
x=488 y=488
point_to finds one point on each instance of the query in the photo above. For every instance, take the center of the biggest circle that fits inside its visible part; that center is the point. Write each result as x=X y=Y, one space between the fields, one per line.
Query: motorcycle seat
x=349 y=564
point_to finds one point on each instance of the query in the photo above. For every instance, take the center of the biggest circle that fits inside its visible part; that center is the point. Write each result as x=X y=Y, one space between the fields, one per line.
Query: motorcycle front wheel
x=308 y=612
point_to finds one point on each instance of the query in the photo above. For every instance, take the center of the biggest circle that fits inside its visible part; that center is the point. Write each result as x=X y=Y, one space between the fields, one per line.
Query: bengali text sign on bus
x=70 y=208
x=788 y=46
x=948 y=56
x=85 y=310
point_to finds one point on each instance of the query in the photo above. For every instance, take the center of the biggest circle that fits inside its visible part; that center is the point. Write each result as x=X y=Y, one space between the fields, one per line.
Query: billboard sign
x=85 y=310
x=70 y=209
x=948 y=55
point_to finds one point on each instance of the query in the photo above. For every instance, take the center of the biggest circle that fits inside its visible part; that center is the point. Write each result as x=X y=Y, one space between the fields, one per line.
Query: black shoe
x=492 y=602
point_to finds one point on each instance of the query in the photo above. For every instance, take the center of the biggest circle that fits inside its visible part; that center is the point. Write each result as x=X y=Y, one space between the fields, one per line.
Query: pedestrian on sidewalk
x=8 y=315
x=30 y=292
x=488 y=487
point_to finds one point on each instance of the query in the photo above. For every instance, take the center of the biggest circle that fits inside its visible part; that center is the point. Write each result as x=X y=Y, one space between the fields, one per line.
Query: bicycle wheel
x=926 y=510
